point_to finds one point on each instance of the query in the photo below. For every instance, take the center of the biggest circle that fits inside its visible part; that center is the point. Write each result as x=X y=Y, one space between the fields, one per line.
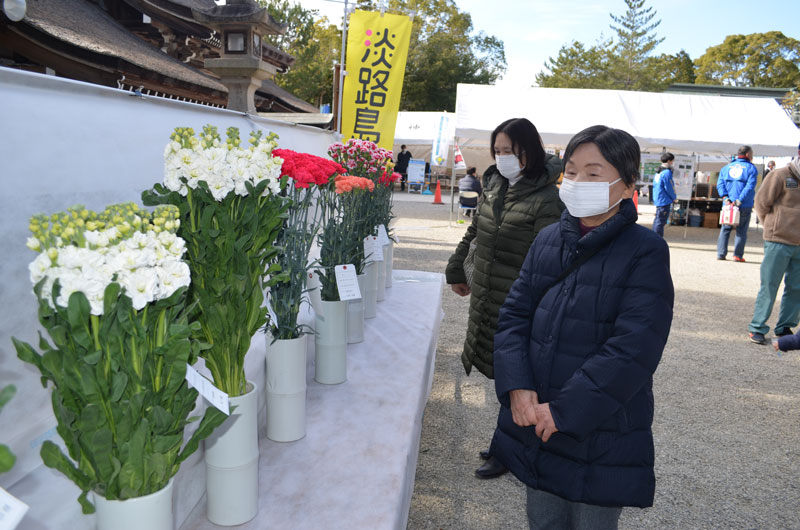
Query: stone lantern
x=241 y=25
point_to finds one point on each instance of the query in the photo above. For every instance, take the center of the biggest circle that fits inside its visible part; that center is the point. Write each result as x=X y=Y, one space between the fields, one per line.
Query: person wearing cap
x=778 y=204
x=737 y=185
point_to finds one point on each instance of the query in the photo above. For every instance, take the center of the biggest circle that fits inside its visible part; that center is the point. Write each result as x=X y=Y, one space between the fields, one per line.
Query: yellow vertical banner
x=377 y=48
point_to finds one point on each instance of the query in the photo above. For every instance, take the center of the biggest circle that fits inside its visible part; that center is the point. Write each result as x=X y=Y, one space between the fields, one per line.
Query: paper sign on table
x=12 y=510
x=213 y=395
x=347 y=282
x=383 y=237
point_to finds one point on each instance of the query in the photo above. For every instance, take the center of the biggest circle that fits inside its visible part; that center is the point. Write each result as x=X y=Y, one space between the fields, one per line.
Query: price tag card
x=372 y=249
x=347 y=282
x=206 y=388
x=12 y=510
x=383 y=236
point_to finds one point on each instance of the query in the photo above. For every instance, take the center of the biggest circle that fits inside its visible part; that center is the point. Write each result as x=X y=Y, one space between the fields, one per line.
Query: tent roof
x=678 y=122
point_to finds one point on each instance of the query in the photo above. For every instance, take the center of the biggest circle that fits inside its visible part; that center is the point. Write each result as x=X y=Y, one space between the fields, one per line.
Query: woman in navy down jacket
x=574 y=360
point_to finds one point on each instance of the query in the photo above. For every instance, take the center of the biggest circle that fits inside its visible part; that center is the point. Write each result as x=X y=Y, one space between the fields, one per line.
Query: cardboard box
x=710 y=219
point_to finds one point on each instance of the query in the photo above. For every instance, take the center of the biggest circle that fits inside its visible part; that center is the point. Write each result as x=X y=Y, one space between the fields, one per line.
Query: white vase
x=153 y=511
x=232 y=463
x=381 y=266
x=286 y=389
x=388 y=263
x=330 y=344
x=370 y=293
x=355 y=315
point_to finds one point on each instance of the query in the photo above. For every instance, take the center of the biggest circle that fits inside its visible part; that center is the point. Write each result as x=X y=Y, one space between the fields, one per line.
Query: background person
x=778 y=204
x=401 y=166
x=663 y=193
x=470 y=182
x=521 y=198
x=574 y=358
x=770 y=167
x=737 y=185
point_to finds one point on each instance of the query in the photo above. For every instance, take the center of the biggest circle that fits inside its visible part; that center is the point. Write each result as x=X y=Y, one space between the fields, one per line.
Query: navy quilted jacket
x=589 y=347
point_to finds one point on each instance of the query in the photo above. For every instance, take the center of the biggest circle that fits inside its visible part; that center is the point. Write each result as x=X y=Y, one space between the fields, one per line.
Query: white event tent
x=681 y=123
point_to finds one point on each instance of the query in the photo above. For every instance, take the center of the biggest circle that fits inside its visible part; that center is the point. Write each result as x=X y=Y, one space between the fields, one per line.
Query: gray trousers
x=550 y=512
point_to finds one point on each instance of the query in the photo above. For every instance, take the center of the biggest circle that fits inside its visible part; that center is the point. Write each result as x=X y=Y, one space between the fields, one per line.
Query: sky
x=534 y=30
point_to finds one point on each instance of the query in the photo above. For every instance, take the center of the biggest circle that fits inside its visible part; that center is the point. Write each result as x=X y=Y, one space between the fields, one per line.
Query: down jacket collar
x=527 y=185
x=603 y=234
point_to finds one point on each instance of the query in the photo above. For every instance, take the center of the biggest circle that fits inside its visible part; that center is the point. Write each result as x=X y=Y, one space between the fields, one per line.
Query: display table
x=354 y=469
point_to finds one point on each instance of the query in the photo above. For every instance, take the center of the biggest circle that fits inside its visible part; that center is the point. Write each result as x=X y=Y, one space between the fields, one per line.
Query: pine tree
x=636 y=39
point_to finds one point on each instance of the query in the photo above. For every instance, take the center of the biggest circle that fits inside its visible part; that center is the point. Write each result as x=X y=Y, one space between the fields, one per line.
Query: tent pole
x=452 y=184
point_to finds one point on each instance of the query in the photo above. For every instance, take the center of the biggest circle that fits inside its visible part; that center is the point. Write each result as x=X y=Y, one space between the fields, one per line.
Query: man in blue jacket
x=663 y=193
x=737 y=185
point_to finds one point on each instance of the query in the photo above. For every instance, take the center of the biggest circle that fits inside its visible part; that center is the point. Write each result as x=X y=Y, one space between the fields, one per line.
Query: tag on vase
x=347 y=282
x=383 y=236
x=372 y=249
x=206 y=388
x=12 y=510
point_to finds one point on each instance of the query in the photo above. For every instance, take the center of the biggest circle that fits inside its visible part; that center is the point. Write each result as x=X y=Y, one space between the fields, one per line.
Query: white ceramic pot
x=370 y=293
x=381 y=283
x=330 y=344
x=286 y=389
x=355 y=315
x=232 y=463
x=388 y=263
x=153 y=511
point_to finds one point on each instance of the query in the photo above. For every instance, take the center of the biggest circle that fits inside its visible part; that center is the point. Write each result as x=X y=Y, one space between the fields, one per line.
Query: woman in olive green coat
x=521 y=198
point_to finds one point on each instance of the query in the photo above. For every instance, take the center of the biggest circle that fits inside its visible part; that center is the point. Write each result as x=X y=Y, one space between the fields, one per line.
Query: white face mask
x=587 y=199
x=508 y=166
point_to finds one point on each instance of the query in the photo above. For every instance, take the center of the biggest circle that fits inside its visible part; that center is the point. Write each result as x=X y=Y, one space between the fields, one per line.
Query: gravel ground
x=727 y=410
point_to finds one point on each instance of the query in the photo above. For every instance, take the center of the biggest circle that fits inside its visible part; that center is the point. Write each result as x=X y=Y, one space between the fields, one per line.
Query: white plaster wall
x=62 y=143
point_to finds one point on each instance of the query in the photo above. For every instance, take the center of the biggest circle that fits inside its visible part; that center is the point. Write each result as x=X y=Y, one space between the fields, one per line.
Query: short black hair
x=618 y=147
x=471 y=171
x=524 y=139
x=744 y=150
x=667 y=157
x=403 y=146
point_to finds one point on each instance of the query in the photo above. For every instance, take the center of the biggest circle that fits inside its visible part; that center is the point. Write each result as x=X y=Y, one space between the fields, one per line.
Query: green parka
x=505 y=224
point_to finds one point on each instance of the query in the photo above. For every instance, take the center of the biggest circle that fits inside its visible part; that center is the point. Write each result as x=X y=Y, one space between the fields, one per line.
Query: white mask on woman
x=587 y=199
x=508 y=166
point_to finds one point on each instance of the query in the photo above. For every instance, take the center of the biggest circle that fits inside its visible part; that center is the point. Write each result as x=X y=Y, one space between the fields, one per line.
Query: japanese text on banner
x=377 y=47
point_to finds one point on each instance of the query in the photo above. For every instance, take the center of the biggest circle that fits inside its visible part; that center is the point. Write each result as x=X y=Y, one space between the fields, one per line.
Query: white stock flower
x=38 y=267
x=172 y=274
x=140 y=285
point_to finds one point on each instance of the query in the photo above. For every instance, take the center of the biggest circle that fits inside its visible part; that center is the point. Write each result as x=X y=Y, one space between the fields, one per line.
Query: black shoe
x=485 y=455
x=493 y=468
x=784 y=332
x=721 y=258
x=758 y=338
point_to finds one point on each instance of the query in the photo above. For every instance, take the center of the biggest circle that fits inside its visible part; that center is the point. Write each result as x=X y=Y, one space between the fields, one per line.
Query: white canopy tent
x=681 y=123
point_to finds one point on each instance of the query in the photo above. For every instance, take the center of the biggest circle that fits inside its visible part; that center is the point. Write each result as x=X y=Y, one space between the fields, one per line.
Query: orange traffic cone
x=437 y=197
x=636 y=199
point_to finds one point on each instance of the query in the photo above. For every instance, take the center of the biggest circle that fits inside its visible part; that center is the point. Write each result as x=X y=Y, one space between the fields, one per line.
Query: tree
x=578 y=67
x=624 y=63
x=759 y=59
x=315 y=46
x=636 y=39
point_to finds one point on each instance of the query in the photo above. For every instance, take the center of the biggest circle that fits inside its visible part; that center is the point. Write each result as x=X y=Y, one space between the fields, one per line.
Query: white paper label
x=12 y=510
x=213 y=395
x=347 y=282
x=372 y=249
x=383 y=237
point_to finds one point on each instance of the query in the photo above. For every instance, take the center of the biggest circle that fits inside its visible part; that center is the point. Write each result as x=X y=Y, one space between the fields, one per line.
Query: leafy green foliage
x=624 y=63
x=119 y=392
x=760 y=59
x=7 y=458
x=230 y=249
